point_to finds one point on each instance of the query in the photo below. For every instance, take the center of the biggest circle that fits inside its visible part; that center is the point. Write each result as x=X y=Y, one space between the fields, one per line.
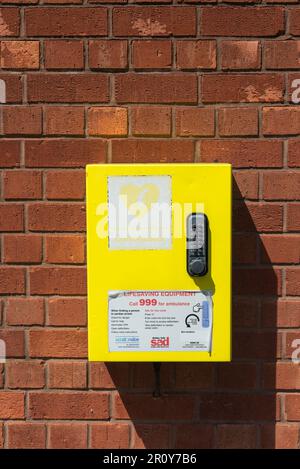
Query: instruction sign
x=160 y=321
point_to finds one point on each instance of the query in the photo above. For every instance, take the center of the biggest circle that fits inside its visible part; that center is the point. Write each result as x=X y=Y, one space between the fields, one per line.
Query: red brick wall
x=96 y=81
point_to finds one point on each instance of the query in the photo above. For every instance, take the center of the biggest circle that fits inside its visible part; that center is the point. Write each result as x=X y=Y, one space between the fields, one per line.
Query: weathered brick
x=282 y=313
x=245 y=184
x=12 y=405
x=240 y=55
x=107 y=121
x=64 y=54
x=151 y=121
x=109 y=435
x=187 y=436
x=196 y=55
x=294 y=16
x=65 y=185
x=20 y=54
x=107 y=54
x=241 y=121
x=56 y=216
x=64 y=120
x=21 y=249
x=293 y=217
x=154 y=21
x=284 y=185
x=282 y=435
x=146 y=151
x=58 y=153
x=237 y=88
x=68 y=405
x=26 y=435
x=22 y=184
x=236 y=436
x=66 y=249
x=195 y=122
x=22 y=120
x=10 y=154
x=10 y=22
x=57 y=280
x=67 y=374
x=293 y=281
x=57 y=343
x=294 y=153
x=14 y=341
x=108 y=375
x=279 y=249
x=67 y=435
x=13 y=84
x=67 y=312
x=66 y=88
x=25 y=374
x=282 y=54
x=152 y=54
x=155 y=88
x=241 y=21
x=261 y=217
x=281 y=121
x=12 y=280
x=25 y=311
x=66 y=21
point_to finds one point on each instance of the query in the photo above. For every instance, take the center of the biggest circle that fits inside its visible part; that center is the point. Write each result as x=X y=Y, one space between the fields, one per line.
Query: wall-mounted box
x=159 y=262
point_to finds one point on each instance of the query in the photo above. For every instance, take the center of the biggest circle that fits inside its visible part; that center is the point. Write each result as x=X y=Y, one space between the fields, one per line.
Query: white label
x=160 y=321
x=140 y=214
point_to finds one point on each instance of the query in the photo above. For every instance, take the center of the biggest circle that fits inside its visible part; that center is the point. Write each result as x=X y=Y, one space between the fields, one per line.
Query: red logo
x=160 y=342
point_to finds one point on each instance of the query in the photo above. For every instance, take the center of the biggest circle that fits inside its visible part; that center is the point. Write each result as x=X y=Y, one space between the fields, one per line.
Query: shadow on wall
x=204 y=405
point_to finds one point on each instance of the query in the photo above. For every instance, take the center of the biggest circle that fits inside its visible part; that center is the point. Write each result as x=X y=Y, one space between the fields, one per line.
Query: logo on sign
x=160 y=342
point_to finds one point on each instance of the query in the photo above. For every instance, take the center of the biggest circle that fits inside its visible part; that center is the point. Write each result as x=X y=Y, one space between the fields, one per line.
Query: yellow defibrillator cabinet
x=159 y=262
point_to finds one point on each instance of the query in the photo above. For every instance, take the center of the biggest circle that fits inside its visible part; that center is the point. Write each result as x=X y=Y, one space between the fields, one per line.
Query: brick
x=25 y=312
x=154 y=21
x=244 y=248
x=240 y=21
x=195 y=436
x=281 y=121
x=25 y=374
x=281 y=375
x=108 y=375
x=65 y=185
x=19 y=2
x=236 y=436
x=60 y=343
x=107 y=121
x=67 y=435
x=58 y=2
x=66 y=88
x=196 y=55
x=263 y=281
x=56 y=216
x=281 y=313
x=59 y=153
x=193 y=375
x=65 y=22
x=152 y=54
x=22 y=184
x=10 y=154
x=109 y=435
x=67 y=375
x=293 y=153
x=14 y=342
x=261 y=217
x=245 y=184
x=292 y=407
x=1 y=436
x=11 y=405
x=67 y=311
x=12 y=280
x=280 y=436
x=67 y=249
x=22 y=120
x=151 y=121
x=242 y=153
x=108 y=54
x=284 y=185
x=292 y=346
x=293 y=217
x=151 y=436
x=293 y=281
x=68 y=405
x=26 y=435
x=279 y=249
x=146 y=151
x=245 y=312
x=21 y=249
x=10 y=22
x=57 y=281
x=156 y=88
x=13 y=87
x=236 y=376
x=144 y=376
x=293 y=88
x=195 y=122
x=282 y=55
x=64 y=120
x=63 y=54
x=237 y=88
x=294 y=22
x=237 y=407
x=237 y=122
x=176 y=407
x=240 y=55
x=260 y=345
x=20 y=55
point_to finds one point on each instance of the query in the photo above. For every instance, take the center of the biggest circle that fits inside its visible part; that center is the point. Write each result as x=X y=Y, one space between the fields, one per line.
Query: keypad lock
x=197 y=244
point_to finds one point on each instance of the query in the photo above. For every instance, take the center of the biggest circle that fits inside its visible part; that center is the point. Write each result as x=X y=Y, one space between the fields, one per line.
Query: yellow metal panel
x=209 y=184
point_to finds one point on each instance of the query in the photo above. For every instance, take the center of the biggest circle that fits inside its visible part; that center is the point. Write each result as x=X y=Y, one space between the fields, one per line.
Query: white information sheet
x=160 y=321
